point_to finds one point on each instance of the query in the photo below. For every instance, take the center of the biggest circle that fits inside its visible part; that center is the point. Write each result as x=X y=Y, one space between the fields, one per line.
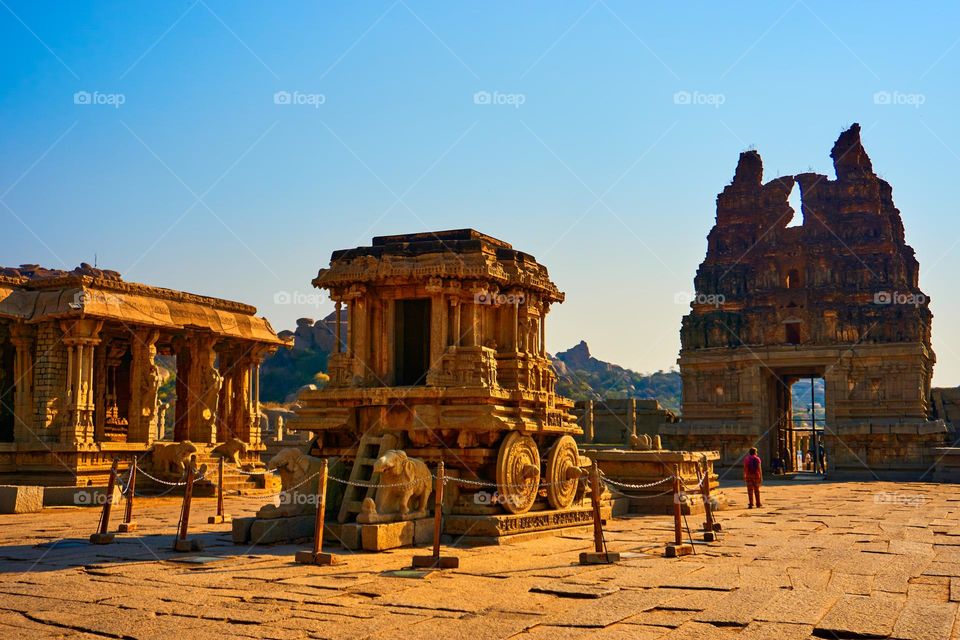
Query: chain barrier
x=297 y=486
x=374 y=485
x=627 y=485
x=265 y=472
x=173 y=484
x=699 y=484
x=636 y=497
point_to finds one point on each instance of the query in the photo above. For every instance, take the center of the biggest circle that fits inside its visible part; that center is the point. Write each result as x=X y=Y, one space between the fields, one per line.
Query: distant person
x=753 y=476
x=777 y=467
x=808 y=461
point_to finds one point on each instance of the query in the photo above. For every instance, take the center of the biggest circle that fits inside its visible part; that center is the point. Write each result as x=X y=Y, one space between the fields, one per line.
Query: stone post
x=144 y=386
x=79 y=337
x=22 y=337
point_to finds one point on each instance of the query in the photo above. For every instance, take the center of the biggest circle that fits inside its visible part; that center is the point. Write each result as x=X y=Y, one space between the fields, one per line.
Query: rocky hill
x=583 y=377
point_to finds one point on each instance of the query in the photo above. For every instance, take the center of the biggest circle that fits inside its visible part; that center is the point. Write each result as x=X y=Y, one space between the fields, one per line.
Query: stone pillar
x=255 y=434
x=357 y=334
x=203 y=390
x=632 y=415
x=455 y=303
x=588 y=429
x=337 y=308
x=437 y=319
x=79 y=337
x=22 y=337
x=144 y=386
x=238 y=417
x=181 y=420
x=515 y=327
x=543 y=335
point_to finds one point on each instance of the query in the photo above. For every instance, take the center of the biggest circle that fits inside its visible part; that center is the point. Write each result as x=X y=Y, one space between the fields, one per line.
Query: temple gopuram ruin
x=834 y=302
x=79 y=377
x=445 y=360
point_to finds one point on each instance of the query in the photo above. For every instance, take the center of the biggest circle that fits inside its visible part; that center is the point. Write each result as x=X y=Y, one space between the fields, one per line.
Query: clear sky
x=226 y=148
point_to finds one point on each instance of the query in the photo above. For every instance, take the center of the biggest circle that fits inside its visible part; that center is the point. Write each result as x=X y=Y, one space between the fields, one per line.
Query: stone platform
x=500 y=528
x=646 y=467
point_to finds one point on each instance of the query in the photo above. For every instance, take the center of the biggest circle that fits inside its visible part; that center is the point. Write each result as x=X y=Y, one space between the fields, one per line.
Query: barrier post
x=599 y=555
x=128 y=524
x=182 y=543
x=435 y=560
x=317 y=556
x=221 y=517
x=101 y=536
x=678 y=547
x=710 y=527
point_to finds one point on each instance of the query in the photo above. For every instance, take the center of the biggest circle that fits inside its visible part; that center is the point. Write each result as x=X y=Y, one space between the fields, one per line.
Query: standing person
x=753 y=476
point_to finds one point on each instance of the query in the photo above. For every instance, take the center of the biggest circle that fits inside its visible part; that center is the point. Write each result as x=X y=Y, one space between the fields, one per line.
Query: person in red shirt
x=753 y=476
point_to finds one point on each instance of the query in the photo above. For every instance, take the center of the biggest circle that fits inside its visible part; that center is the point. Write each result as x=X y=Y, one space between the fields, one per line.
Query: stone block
x=20 y=499
x=346 y=535
x=904 y=429
x=389 y=535
x=241 y=530
x=423 y=531
x=928 y=428
x=282 y=530
x=78 y=496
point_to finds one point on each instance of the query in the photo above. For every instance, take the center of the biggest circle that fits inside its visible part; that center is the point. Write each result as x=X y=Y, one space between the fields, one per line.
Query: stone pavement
x=821 y=559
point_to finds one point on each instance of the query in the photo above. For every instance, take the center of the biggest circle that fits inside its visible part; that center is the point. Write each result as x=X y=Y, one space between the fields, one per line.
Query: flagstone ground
x=821 y=559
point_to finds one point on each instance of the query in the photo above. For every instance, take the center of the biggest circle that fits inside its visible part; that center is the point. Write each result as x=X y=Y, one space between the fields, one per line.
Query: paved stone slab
x=869 y=616
x=798 y=606
x=737 y=608
x=925 y=620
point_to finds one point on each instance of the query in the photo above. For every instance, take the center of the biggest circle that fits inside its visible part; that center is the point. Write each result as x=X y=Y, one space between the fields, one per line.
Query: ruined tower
x=836 y=298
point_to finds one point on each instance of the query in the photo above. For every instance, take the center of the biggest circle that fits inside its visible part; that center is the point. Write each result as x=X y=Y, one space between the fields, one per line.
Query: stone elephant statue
x=409 y=500
x=232 y=449
x=172 y=458
x=297 y=495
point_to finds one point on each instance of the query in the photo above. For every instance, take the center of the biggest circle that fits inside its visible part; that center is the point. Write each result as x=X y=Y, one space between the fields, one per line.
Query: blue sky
x=582 y=156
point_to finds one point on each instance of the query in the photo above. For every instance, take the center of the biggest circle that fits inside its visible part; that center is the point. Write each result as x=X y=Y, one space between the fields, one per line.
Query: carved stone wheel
x=563 y=472
x=518 y=472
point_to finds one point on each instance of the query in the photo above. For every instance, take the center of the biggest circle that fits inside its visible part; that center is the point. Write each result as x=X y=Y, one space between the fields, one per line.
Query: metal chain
x=699 y=484
x=482 y=483
x=172 y=484
x=634 y=497
x=627 y=485
x=254 y=473
x=374 y=485
x=272 y=495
